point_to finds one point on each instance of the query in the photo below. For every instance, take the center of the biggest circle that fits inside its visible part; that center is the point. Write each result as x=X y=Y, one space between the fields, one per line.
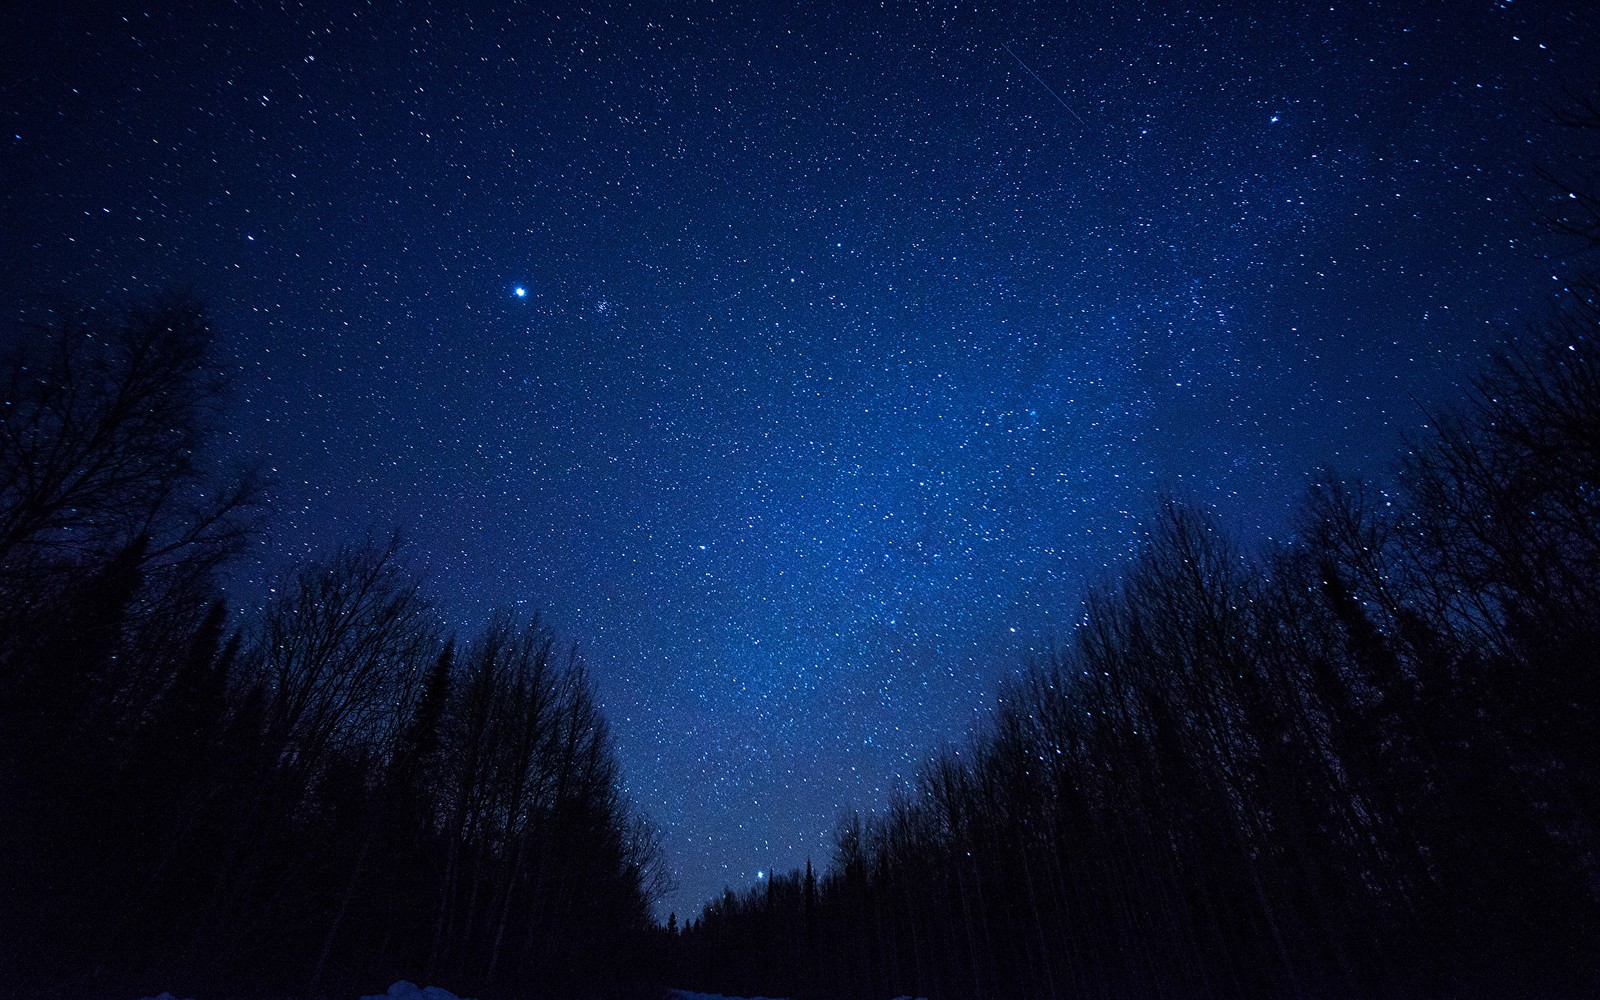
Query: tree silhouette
x=1359 y=763
x=317 y=795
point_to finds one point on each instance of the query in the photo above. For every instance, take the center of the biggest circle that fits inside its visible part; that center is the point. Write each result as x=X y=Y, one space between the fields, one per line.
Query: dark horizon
x=803 y=368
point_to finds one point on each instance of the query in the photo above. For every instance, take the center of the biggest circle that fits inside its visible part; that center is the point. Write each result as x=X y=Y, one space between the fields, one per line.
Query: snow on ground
x=410 y=991
x=686 y=995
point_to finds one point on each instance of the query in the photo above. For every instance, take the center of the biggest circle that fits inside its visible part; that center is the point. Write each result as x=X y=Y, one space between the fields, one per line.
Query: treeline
x=1361 y=763
x=317 y=800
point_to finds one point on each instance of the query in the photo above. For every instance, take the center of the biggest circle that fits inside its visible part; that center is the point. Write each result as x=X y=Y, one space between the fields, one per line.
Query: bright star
x=520 y=292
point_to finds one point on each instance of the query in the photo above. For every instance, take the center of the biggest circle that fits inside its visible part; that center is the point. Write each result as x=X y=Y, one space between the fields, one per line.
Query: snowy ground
x=409 y=991
x=686 y=995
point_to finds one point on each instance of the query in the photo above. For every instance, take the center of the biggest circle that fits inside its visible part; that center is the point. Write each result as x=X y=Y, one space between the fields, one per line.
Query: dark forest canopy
x=331 y=794
x=1362 y=763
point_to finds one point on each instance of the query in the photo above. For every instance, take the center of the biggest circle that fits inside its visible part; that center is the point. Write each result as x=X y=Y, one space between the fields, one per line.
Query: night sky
x=802 y=365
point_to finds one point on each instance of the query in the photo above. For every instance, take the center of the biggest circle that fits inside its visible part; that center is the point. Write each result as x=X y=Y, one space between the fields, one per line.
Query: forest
x=1362 y=761
x=331 y=794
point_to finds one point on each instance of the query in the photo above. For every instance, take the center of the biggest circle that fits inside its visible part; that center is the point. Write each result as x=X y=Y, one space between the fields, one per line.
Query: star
x=908 y=464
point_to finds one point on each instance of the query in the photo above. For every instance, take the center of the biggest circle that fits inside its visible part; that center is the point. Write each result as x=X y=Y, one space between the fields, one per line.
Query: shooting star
x=1046 y=86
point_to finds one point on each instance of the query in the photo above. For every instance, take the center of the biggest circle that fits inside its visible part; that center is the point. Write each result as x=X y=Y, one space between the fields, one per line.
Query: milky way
x=803 y=366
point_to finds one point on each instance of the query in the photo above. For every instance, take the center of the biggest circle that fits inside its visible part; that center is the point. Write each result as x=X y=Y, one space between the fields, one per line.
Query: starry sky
x=802 y=362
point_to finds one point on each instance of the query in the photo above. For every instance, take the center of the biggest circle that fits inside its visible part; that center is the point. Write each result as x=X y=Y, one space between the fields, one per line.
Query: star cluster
x=804 y=364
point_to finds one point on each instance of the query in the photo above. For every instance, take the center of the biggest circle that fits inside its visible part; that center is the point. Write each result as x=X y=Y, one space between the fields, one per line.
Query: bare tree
x=107 y=416
x=346 y=643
